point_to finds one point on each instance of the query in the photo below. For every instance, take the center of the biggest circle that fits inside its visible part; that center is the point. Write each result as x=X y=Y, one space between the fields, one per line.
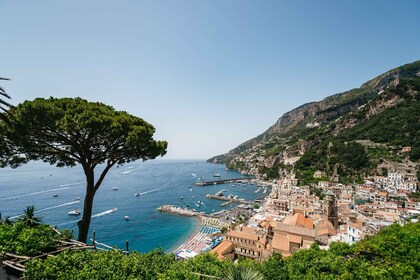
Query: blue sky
x=208 y=75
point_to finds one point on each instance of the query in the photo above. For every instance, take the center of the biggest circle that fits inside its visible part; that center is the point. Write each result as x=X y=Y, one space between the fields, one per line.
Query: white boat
x=74 y=212
x=137 y=194
x=258 y=190
x=127 y=217
x=216 y=175
x=114 y=209
x=265 y=190
x=77 y=198
x=115 y=188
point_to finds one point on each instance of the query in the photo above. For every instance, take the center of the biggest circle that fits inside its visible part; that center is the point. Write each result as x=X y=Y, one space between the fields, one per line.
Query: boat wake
x=105 y=213
x=152 y=191
x=49 y=208
x=58 y=206
x=34 y=193
x=71 y=184
x=93 y=216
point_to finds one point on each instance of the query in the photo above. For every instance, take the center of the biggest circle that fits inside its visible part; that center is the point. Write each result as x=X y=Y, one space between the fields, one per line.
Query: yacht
x=127 y=217
x=74 y=212
x=216 y=175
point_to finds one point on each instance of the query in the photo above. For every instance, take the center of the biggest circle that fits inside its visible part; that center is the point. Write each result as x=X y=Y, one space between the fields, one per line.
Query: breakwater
x=225 y=198
x=172 y=209
x=218 y=182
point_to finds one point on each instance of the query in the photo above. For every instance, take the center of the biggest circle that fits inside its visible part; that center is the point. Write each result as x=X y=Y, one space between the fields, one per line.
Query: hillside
x=321 y=135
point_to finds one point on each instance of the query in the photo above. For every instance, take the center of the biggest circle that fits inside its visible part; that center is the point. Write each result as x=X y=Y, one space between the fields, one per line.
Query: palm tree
x=3 y=104
x=241 y=273
x=29 y=218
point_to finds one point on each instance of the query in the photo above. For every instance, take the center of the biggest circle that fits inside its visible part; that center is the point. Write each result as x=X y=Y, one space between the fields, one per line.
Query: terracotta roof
x=295 y=230
x=358 y=224
x=295 y=238
x=250 y=230
x=382 y=193
x=280 y=242
x=243 y=235
x=298 y=220
x=222 y=248
x=325 y=227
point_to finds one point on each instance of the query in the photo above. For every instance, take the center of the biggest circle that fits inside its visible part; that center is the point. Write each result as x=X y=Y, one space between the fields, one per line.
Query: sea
x=55 y=191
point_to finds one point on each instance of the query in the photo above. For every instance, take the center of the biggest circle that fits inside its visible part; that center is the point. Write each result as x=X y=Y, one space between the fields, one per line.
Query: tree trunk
x=84 y=223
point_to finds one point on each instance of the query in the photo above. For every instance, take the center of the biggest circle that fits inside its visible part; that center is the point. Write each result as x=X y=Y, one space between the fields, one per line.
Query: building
x=225 y=250
x=331 y=209
x=247 y=243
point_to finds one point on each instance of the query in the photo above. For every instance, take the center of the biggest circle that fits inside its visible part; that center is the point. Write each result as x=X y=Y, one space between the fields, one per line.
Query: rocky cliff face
x=275 y=151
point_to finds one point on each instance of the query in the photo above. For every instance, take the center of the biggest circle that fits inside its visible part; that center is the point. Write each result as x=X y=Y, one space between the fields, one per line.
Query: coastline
x=185 y=239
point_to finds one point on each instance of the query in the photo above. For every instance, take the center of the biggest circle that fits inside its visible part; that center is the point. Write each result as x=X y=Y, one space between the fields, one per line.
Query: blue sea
x=53 y=191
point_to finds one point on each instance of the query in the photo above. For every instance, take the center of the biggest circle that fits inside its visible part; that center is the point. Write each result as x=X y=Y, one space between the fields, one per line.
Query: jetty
x=227 y=199
x=172 y=209
x=218 y=182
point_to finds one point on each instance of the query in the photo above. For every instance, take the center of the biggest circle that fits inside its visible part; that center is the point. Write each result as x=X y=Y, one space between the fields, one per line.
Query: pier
x=172 y=209
x=218 y=182
x=227 y=199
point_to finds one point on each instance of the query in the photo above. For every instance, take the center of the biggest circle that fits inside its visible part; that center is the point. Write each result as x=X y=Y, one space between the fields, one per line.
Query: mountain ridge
x=333 y=114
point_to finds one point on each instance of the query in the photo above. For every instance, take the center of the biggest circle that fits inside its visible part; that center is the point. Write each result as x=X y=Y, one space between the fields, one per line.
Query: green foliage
x=21 y=239
x=100 y=265
x=204 y=264
x=271 y=173
x=350 y=159
x=394 y=253
x=28 y=217
x=4 y=105
x=241 y=273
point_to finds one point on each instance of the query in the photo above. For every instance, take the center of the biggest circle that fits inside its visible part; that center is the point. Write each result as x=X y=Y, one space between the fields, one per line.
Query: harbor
x=224 y=181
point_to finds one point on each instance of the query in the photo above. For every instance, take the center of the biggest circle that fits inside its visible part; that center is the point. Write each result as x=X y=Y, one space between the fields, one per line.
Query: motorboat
x=216 y=175
x=74 y=212
x=55 y=195
x=115 y=188
x=114 y=209
x=137 y=194
x=77 y=198
x=127 y=217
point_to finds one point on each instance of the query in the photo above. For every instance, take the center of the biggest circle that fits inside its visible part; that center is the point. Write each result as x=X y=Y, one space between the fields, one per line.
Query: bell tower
x=331 y=209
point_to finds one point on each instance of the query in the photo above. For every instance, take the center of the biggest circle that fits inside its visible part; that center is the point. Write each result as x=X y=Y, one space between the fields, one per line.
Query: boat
x=137 y=194
x=188 y=205
x=114 y=209
x=55 y=195
x=216 y=175
x=258 y=190
x=219 y=193
x=127 y=217
x=196 y=204
x=265 y=190
x=74 y=212
x=182 y=198
x=115 y=188
x=77 y=198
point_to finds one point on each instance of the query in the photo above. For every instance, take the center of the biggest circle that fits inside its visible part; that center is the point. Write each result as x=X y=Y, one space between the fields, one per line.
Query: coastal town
x=294 y=216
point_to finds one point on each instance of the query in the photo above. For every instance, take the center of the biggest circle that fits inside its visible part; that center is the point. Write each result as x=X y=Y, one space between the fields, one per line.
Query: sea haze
x=54 y=191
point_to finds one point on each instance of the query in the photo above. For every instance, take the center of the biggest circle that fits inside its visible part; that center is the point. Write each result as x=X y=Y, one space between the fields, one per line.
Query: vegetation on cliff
x=322 y=135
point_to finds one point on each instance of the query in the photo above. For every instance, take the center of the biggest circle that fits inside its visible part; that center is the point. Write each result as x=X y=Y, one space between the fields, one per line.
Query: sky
x=209 y=75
